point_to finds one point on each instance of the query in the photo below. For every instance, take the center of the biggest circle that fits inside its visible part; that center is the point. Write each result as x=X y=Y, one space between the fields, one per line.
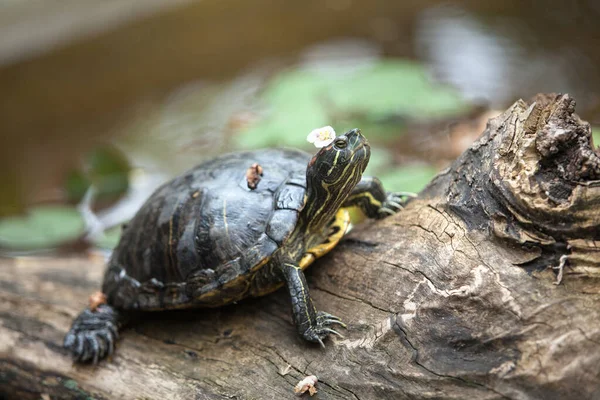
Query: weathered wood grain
x=437 y=305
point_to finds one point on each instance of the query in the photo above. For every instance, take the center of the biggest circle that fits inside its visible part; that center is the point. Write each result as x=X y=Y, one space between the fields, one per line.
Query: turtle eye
x=341 y=143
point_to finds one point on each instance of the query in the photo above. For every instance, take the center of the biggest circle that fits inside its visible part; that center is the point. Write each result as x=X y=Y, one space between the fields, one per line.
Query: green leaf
x=409 y=178
x=76 y=185
x=596 y=136
x=43 y=227
x=376 y=98
x=109 y=239
x=106 y=168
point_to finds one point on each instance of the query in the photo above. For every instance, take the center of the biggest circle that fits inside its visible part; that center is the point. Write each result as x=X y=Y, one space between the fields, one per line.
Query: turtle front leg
x=370 y=196
x=311 y=324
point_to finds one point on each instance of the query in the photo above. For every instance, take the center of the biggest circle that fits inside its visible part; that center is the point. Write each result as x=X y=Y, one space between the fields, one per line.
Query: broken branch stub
x=533 y=179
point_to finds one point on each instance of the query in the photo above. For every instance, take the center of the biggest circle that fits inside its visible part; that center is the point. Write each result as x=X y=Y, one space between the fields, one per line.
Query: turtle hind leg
x=93 y=334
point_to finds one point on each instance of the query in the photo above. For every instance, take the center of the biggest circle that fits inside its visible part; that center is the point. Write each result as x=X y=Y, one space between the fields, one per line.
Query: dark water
x=173 y=88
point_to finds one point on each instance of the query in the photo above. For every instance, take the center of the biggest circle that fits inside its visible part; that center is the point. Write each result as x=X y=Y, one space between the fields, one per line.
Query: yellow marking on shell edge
x=243 y=280
x=204 y=300
x=342 y=221
x=268 y=290
x=260 y=264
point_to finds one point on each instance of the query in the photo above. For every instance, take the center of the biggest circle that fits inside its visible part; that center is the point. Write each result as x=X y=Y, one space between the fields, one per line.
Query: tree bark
x=487 y=286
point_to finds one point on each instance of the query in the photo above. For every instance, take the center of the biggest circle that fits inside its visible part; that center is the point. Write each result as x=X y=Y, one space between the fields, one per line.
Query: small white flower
x=321 y=137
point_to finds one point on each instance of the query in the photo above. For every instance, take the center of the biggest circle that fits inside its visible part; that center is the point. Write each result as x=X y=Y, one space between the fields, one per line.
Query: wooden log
x=485 y=287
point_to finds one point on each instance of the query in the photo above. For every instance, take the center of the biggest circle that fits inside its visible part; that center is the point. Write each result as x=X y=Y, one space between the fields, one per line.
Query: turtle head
x=332 y=174
x=340 y=164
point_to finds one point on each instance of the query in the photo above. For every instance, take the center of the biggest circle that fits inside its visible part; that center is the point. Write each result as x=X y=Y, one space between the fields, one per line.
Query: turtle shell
x=199 y=237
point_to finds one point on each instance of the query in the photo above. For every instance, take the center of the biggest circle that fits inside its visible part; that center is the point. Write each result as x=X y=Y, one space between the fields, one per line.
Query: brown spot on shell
x=253 y=175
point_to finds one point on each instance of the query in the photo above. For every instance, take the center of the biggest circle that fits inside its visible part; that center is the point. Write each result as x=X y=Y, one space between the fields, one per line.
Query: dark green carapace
x=205 y=239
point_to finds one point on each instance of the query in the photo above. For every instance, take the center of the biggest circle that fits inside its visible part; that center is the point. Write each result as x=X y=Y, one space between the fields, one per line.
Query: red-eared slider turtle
x=205 y=239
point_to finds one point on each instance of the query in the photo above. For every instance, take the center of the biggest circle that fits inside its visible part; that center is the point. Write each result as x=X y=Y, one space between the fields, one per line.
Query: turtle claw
x=321 y=329
x=334 y=332
x=394 y=202
x=385 y=210
x=322 y=315
x=92 y=336
x=338 y=322
x=327 y=319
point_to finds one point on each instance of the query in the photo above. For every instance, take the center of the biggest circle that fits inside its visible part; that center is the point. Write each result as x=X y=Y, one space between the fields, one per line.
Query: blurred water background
x=100 y=102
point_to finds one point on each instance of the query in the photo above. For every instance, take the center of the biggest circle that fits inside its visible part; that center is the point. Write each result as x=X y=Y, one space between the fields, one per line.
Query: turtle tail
x=93 y=334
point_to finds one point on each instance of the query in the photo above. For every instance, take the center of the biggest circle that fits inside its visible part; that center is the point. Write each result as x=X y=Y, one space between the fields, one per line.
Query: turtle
x=209 y=238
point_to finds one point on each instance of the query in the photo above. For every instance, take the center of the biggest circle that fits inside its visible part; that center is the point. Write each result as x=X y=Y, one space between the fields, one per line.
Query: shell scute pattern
x=198 y=239
x=291 y=197
x=278 y=228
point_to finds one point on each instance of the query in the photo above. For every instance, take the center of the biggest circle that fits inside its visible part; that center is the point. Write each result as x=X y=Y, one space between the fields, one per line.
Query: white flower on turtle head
x=321 y=137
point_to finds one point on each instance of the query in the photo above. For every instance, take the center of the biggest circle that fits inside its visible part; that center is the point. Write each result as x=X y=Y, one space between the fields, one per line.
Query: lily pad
x=409 y=178
x=106 y=168
x=41 y=228
x=109 y=238
x=380 y=96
